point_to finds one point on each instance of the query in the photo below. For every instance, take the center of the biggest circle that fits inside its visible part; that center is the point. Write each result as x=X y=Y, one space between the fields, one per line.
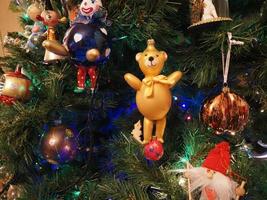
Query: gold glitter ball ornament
x=226 y=113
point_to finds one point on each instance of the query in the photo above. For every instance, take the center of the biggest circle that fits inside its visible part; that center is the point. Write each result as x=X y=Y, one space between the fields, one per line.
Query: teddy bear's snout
x=151 y=58
x=151 y=61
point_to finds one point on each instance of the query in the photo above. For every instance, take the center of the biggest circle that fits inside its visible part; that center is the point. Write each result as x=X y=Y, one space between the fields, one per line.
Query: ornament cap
x=150 y=45
x=226 y=89
x=18 y=69
x=17 y=73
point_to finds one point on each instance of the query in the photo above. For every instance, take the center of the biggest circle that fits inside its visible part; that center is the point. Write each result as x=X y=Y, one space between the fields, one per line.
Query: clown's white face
x=89 y=7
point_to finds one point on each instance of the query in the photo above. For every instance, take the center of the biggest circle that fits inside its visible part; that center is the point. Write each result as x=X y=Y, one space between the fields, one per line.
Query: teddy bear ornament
x=208 y=12
x=153 y=96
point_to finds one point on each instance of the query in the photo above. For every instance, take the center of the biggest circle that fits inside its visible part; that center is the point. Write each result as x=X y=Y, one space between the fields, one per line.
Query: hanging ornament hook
x=18 y=69
x=226 y=62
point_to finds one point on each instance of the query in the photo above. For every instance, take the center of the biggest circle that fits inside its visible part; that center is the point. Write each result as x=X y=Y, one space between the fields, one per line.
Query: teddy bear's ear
x=138 y=56
x=165 y=55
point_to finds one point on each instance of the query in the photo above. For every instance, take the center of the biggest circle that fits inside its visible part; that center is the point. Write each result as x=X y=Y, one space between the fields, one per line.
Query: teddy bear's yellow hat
x=150 y=45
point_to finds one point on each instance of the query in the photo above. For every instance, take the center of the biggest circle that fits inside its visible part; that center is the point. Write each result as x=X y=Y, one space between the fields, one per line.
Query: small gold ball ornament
x=92 y=55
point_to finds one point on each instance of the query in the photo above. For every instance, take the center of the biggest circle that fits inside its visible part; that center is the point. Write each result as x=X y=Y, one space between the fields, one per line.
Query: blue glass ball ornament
x=81 y=38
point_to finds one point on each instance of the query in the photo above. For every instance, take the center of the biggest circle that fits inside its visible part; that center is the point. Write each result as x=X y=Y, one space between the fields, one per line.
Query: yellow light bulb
x=52 y=141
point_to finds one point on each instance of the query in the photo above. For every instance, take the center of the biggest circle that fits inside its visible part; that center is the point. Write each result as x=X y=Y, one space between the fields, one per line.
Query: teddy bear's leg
x=160 y=127
x=148 y=128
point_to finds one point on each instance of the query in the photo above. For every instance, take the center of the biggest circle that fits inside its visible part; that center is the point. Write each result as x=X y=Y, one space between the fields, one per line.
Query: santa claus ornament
x=212 y=179
x=205 y=12
x=226 y=112
x=14 y=86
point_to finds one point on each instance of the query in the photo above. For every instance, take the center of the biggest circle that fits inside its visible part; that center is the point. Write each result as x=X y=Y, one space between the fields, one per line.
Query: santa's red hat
x=218 y=158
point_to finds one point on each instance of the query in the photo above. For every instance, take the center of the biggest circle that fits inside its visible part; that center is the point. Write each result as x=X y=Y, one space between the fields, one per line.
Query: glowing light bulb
x=182 y=181
x=22 y=88
x=67 y=147
x=232 y=133
x=188 y=117
x=52 y=141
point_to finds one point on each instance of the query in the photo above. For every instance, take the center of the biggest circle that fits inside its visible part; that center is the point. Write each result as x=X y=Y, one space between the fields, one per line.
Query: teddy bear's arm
x=133 y=81
x=174 y=78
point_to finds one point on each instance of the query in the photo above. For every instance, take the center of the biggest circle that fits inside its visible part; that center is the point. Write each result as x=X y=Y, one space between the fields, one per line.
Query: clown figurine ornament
x=86 y=43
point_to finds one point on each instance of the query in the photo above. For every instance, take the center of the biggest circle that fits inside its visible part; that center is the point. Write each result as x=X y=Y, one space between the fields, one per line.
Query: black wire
x=90 y=133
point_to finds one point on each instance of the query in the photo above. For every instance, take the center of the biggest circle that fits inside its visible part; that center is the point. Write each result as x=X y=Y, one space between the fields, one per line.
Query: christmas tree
x=135 y=99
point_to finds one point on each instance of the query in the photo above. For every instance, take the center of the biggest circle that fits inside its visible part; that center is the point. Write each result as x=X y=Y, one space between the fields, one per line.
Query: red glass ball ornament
x=226 y=113
x=153 y=150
